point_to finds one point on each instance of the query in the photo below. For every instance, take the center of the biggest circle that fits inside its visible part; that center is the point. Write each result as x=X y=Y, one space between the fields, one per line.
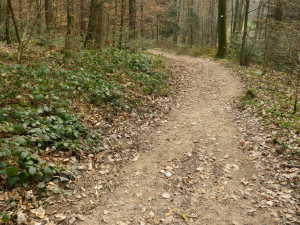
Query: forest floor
x=198 y=167
x=205 y=142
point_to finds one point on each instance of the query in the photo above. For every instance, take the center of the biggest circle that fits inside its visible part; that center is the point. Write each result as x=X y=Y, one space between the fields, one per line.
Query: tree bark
x=222 y=36
x=115 y=24
x=278 y=11
x=132 y=19
x=49 y=15
x=95 y=26
x=14 y=21
x=68 y=42
x=267 y=39
x=99 y=31
x=122 y=24
x=82 y=18
x=142 y=20
x=235 y=18
x=244 y=53
x=7 y=25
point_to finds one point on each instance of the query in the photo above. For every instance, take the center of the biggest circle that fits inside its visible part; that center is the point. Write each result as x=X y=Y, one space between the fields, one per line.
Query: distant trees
x=94 y=23
x=260 y=31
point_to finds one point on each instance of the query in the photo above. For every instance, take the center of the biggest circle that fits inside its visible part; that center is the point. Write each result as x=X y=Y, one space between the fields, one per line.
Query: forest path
x=195 y=172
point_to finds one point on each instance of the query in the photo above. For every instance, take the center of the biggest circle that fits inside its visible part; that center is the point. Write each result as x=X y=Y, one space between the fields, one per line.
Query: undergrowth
x=272 y=97
x=38 y=107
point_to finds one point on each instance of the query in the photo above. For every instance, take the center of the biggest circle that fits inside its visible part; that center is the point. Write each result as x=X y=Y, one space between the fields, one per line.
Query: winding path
x=195 y=173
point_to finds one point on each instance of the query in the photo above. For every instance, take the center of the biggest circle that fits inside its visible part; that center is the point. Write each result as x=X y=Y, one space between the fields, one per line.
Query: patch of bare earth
x=198 y=169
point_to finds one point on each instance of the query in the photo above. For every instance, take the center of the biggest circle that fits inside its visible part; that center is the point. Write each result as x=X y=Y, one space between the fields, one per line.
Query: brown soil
x=195 y=172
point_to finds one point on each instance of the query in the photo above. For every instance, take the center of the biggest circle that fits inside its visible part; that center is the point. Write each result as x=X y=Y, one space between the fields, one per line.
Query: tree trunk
x=107 y=30
x=267 y=39
x=95 y=26
x=236 y=13
x=132 y=19
x=7 y=25
x=222 y=37
x=39 y=17
x=278 y=11
x=191 y=14
x=82 y=18
x=240 y=16
x=142 y=20
x=157 y=30
x=122 y=24
x=14 y=21
x=99 y=32
x=244 y=57
x=49 y=15
x=175 y=37
x=232 y=19
x=297 y=92
x=69 y=39
x=115 y=24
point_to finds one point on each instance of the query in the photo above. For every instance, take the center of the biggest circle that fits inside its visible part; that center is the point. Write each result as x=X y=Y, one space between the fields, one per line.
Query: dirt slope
x=195 y=172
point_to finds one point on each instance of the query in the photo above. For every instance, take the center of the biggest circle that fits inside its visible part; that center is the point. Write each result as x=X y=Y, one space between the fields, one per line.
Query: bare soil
x=196 y=172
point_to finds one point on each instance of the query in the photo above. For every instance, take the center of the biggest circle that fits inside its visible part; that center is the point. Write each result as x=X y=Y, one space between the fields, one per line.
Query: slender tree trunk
x=297 y=92
x=69 y=37
x=39 y=17
x=122 y=24
x=258 y=22
x=115 y=24
x=49 y=15
x=91 y=25
x=152 y=31
x=7 y=25
x=99 y=31
x=232 y=19
x=190 y=8
x=278 y=11
x=222 y=36
x=21 y=15
x=244 y=52
x=142 y=20
x=235 y=18
x=175 y=36
x=82 y=17
x=132 y=19
x=157 y=30
x=95 y=31
x=14 y=21
x=107 y=29
x=213 y=24
x=240 y=16
x=267 y=39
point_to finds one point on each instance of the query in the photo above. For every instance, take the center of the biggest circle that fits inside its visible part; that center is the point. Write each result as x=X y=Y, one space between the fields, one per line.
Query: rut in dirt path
x=193 y=173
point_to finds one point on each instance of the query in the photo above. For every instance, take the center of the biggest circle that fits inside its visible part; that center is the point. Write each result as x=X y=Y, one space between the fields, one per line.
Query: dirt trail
x=195 y=172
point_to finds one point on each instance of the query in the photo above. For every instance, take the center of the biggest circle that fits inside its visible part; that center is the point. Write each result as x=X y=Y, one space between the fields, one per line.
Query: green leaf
x=23 y=177
x=12 y=181
x=3 y=165
x=11 y=171
x=32 y=170
x=41 y=185
x=24 y=155
x=48 y=170
x=5 y=218
x=20 y=140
